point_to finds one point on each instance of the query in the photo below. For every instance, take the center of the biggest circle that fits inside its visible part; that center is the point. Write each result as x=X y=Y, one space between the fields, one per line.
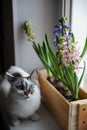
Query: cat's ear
x=34 y=76
x=10 y=77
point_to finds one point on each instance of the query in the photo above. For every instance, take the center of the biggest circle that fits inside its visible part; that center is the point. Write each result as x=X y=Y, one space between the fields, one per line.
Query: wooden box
x=69 y=115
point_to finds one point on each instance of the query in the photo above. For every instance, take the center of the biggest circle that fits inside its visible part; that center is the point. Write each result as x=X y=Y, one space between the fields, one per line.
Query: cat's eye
x=20 y=87
x=31 y=86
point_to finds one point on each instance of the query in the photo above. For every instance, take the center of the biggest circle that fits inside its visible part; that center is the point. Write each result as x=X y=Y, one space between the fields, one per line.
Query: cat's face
x=22 y=87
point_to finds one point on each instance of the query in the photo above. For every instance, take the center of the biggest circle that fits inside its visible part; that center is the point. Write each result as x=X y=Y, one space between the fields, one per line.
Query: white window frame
x=66 y=9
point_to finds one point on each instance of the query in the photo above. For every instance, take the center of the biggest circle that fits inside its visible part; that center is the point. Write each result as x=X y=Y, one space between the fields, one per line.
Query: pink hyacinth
x=70 y=55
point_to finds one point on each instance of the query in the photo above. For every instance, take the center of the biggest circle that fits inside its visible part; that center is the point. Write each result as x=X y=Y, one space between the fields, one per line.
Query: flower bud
x=28 y=31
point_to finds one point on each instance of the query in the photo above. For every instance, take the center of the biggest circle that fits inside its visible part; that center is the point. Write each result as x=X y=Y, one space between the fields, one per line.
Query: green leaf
x=47 y=57
x=54 y=72
x=43 y=51
x=36 y=48
x=58 y=39
x=73 y=38
x=84 y=49
x=53 y=59
x=82 y=74
x=70 y=77
x=76 y=88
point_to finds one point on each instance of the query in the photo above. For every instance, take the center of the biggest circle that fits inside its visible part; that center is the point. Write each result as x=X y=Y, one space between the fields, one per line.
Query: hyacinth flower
x=69 y=58
x=41 y=51
x=66 y=61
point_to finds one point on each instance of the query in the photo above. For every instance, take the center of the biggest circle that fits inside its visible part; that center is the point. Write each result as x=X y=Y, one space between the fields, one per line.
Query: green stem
x=75 y=95
x=49 y=72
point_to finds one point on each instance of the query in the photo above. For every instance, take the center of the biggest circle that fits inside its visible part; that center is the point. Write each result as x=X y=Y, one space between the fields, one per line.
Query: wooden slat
x=55 y=102
x=82 y=117
x=73 y=117
x=43 y=72
x=83 y=93
x=78 y=108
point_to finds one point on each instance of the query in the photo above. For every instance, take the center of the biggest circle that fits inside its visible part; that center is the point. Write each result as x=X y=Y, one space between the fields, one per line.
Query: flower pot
x=69 y=115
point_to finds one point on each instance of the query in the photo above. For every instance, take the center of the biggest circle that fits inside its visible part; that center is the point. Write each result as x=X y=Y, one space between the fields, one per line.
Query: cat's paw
x=15 y=122
x=35 y=117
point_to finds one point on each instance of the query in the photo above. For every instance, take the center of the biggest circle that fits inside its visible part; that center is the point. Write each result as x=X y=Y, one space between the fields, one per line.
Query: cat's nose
x=26 y=93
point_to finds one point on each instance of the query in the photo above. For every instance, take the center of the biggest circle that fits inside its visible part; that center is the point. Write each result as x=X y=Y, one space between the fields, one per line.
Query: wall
x=79 y=26
x=43 y=16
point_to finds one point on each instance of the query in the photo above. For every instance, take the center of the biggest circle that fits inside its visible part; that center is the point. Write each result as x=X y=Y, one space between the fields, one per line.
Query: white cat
x=21 y=94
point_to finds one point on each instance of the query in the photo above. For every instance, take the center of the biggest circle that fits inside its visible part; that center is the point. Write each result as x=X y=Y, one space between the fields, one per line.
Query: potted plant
x=63 y=65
